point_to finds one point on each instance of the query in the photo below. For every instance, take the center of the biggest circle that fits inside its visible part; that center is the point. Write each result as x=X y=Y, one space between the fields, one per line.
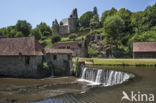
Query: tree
x=85 y=19
x=95 y=12
x=113 y=27
x=125 y=14
x=107 y=13
x=19 y=34
x=36 y=32
x=55 y=38
x=94 y=22
x=139 y=22
x=151 y=14
x=24 y=27
x=44 y=29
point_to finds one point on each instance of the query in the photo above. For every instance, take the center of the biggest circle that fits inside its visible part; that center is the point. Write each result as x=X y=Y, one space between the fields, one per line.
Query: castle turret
x=74 y=14
x=55 y=27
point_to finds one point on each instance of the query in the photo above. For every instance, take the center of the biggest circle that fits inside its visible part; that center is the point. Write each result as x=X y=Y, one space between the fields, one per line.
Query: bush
x=45 y=69
x=92 y=52
x=72 y=36
x=55 y=38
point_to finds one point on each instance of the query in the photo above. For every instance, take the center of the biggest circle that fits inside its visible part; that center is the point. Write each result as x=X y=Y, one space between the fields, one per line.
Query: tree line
x=120 y=28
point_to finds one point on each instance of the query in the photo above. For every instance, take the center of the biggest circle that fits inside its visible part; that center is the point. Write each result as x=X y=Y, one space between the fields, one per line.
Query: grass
x=65 y=39
x=47 y=42
x=119 y=62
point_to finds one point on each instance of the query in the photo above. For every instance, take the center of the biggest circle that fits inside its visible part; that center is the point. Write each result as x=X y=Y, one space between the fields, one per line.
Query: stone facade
x=67 y=25
x=20 y=66
x=79 y=48
x=23 y=57
x=61 y=60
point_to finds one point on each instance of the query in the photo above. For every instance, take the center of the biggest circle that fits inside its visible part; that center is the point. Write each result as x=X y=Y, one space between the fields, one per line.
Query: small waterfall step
x=103 y=76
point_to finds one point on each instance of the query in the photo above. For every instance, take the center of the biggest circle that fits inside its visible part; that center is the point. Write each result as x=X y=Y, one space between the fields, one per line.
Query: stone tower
x=55 y=27
x=67 y=25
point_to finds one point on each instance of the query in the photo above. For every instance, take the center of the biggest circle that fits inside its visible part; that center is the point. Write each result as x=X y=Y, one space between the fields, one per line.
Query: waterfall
x=103 y=76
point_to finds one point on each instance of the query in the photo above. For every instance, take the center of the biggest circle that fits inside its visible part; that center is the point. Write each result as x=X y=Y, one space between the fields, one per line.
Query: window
x=80 y=45
x=54 y=57
x=68 y=47
x=68 y=57
x=27 y=59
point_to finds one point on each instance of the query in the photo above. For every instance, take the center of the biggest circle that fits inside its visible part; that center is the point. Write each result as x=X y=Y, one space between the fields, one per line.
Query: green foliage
x=108 y=13
x=94 y=22
x=55 y=38
x=19 y=34
x=44 y=29
x=72 y=36
x=76 y=67
x=24 y=27
x=36 y=33
x=45 y=68
x=92 y=52
x=85 y=19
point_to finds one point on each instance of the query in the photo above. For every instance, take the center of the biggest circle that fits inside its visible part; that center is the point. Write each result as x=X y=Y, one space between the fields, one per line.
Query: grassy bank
x=119 y=62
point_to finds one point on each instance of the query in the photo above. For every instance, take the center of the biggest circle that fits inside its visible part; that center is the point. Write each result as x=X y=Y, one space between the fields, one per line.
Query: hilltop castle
x=67 y=25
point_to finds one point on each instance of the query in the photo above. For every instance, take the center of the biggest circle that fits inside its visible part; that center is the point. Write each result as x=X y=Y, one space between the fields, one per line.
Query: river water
x=143 y=83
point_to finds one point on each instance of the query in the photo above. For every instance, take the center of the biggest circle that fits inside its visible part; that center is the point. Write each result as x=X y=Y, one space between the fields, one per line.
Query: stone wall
x=62 y=63
x=144 y=55
x=63 y=29
x=20 y=66
x=72 y=24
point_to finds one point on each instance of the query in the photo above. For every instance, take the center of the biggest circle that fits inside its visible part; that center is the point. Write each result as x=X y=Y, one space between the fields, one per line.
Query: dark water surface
x=143 y=83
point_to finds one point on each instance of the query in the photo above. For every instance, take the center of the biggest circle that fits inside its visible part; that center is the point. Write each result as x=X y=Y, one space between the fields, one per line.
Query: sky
x=37 y=11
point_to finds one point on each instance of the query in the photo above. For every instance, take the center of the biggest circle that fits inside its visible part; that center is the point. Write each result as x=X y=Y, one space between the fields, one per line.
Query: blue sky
x=36 y=11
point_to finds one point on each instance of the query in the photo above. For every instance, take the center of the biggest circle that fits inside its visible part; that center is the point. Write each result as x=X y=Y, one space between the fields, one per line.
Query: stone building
x=79 y=48
x=67 y=25
x=61 y=60
x=22 y=57
x=144 y=50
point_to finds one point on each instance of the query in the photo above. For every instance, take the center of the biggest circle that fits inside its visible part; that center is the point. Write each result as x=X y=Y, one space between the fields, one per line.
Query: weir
x=103 y=77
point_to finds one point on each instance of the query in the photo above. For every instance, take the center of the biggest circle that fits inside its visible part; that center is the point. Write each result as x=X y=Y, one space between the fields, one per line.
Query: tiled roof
x=72 y=44
x=22 y=46
x=59 y=51
x=144 y=47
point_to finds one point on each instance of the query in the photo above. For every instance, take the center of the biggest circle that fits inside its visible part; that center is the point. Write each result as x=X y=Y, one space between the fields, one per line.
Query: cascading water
x=103 y=77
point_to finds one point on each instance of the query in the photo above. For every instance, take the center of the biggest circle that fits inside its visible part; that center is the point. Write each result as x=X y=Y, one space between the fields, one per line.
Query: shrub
x=45 y=69
x=92 y=52
x=72 y=36
x=55 y=38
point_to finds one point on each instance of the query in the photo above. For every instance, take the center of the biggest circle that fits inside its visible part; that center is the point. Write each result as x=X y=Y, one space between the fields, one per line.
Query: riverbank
x=20 y=90
x=118 y=62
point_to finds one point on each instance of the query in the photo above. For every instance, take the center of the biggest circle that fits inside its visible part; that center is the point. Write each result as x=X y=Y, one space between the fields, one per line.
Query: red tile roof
x=71 y=44
x=58 y=51
x=144 y=47
x=22 y=45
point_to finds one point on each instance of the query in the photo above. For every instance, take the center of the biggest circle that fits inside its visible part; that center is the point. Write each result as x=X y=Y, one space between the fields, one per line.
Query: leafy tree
x=139 y=22
x=113 y=27
x=151 y=14
x=36 y=32
x=55 y=38
x=19 y=34
x=125 y=14
x=44 y=29
x=108 y=13
x=85 y=19
x=24 y=27
x=94 y=22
